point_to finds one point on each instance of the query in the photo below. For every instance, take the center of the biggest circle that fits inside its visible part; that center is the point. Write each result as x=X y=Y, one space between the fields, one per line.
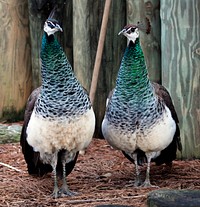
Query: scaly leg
x=64 y=191
x=147 y=183
x=54 y=160
x=137 y=179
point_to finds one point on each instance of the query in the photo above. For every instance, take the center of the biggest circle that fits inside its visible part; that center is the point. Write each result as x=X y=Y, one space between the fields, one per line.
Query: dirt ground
x=101 y=176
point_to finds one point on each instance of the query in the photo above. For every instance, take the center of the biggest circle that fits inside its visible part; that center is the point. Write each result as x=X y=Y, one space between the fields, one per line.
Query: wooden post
x=99 y=50
x=137 y=10
x=35 y=23
x=81 y=42
x=181 y=67
x=15 y=61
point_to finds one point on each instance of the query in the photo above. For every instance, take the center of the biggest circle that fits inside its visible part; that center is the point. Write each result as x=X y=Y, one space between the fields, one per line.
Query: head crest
x=52 y=14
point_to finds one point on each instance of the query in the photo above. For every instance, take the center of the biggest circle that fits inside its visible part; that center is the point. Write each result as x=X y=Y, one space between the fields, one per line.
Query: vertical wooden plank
x=99 y=52
x=87 y=17
x=36 y=19
x=181 y=67
x=137 y=10
x=83 y=61
x=67 y=25
x=15 y=62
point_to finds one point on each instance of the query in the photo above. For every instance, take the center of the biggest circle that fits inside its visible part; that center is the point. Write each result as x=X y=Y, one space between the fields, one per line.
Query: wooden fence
x=172 y=52
x=181 y=66
x=15 y=56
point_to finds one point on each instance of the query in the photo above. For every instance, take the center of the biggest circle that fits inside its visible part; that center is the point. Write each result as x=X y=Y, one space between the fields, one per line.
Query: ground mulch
x=101 y=176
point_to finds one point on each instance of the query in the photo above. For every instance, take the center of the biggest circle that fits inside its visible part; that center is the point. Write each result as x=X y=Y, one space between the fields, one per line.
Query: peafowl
x=59 y=119
x=34 y=164
x=140 y=119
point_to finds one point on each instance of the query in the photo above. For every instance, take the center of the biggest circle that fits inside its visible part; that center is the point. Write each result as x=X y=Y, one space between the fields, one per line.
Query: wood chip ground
x=101 y=176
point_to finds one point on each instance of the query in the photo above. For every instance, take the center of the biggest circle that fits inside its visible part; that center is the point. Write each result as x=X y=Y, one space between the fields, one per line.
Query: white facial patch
x=132 y=36
x=48 y=30
x=52 y=30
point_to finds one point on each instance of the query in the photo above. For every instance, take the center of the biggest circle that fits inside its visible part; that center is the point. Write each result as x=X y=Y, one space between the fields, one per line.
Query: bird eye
x=51 y=25
x=132 y=29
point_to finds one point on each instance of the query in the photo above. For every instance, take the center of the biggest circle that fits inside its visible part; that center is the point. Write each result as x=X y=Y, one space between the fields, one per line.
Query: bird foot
x=137 y=183
x=64 y=191
x=147 y=184
x=55 y=193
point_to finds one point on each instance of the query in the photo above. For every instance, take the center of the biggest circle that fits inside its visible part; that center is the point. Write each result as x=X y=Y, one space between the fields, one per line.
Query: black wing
x=162 y=92
x=34 y=165
x=32 y=158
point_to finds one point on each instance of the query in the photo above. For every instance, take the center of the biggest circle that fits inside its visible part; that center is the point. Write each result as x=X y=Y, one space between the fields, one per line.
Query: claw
x=148 y=184
x=56 y=193
x=64 y=191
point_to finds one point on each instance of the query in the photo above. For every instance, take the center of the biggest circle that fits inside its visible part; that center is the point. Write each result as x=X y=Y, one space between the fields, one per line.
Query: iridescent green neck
x=60 y=88
x=57 y=73
x=132 y=81
x=54 y=62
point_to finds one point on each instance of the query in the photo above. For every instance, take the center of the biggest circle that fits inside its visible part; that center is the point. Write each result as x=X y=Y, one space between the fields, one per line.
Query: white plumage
x=46 y=135
x=155 y=138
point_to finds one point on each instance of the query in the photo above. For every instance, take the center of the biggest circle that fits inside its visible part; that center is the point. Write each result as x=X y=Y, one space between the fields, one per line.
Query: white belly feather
x=117 y=138
x=46 y=136
x=152 y=139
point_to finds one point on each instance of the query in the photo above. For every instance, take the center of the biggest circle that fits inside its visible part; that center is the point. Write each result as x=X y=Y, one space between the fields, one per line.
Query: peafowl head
x=131 y=31
x=51 y=26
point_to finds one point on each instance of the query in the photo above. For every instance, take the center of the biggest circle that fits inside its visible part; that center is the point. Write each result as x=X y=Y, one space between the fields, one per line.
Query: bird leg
x=147 y=183
x=54 y=160
x=64 y=191
x=137 y=179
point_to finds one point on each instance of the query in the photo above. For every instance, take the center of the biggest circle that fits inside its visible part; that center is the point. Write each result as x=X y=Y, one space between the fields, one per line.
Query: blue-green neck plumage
x=53 y=59
x=132 y=81
x=60 y=88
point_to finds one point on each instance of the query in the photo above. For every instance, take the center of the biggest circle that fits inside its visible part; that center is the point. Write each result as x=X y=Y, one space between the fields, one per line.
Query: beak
x=59 y=28
x=121 y=32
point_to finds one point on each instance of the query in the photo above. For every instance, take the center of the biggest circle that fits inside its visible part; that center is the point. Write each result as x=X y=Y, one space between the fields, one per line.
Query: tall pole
x=99 y=50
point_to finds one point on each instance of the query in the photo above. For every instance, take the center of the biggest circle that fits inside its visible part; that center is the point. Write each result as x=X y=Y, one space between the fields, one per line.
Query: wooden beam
x=15 y=67
x=181 y=67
